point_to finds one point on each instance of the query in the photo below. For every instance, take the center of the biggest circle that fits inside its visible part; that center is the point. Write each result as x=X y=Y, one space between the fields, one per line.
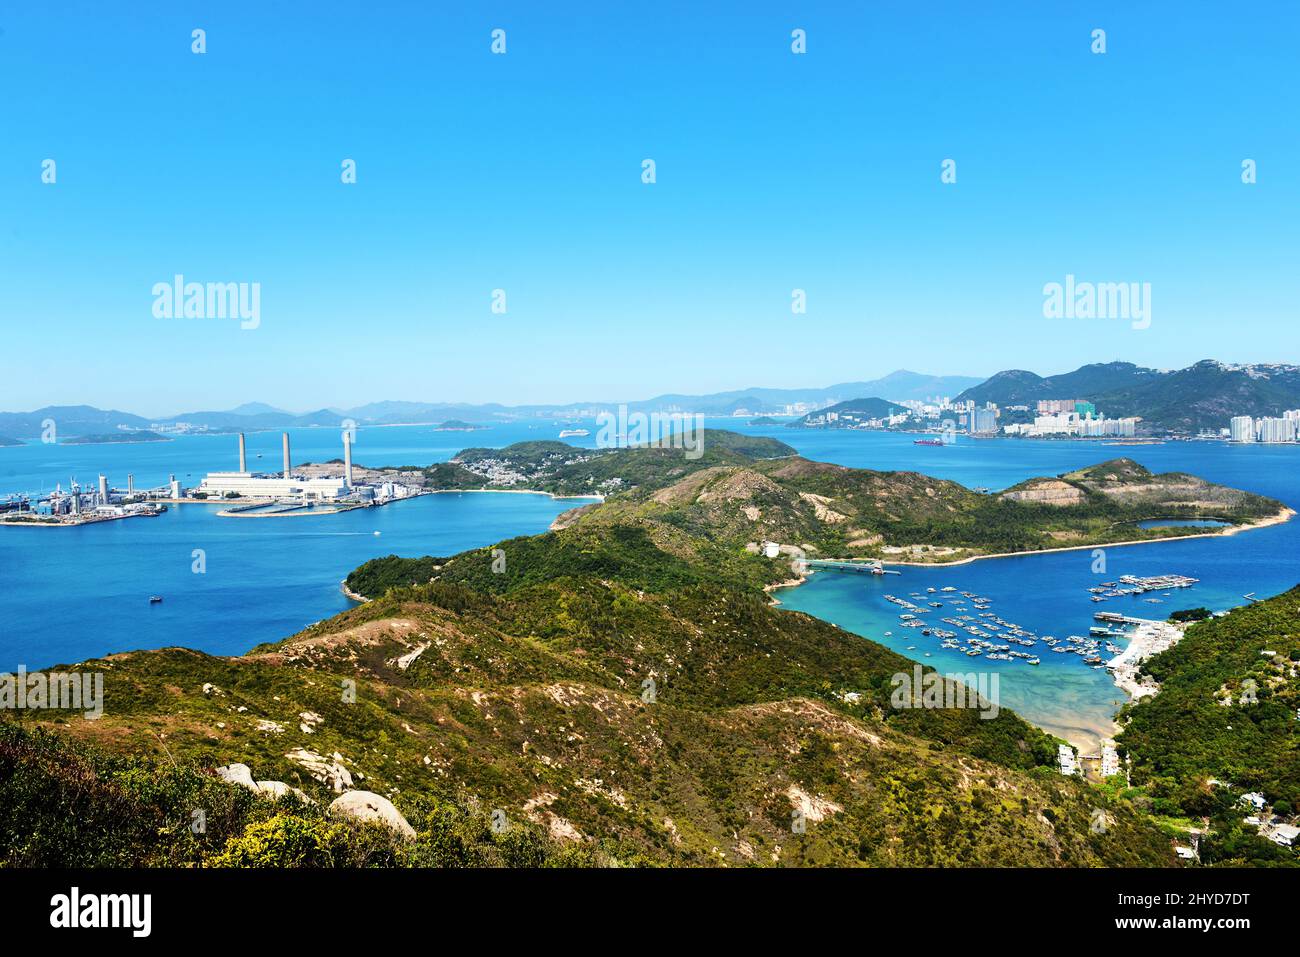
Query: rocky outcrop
x=1046 y=492
x=242 y=775
x=328 y=771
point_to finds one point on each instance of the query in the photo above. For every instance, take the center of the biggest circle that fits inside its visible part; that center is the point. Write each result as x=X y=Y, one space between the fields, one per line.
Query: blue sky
x=522 y=172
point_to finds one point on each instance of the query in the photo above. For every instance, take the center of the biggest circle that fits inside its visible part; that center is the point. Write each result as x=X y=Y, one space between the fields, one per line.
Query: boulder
x=278 y=789
x=237 y=774
x=369 y=806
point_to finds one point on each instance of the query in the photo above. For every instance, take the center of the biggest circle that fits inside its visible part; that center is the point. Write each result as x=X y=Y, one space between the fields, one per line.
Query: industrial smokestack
x=103 y=490
x=286 y=456
x=243 y=455
x=347 y=459
x=130 y=484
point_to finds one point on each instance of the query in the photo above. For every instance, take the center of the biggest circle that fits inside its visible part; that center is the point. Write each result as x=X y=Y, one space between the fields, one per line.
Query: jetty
x=868 y=568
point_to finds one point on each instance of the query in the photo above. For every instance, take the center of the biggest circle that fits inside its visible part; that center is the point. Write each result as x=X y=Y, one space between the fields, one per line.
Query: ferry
x=567 y=433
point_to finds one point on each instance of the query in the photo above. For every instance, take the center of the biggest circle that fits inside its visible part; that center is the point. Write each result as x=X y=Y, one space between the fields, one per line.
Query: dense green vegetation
x=835 y=511
x=68 y=804
x=563 y=469
x=1226 y=713
x=621 y=687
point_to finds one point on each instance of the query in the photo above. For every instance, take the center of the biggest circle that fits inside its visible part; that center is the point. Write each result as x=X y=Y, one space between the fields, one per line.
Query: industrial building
x=246 y=484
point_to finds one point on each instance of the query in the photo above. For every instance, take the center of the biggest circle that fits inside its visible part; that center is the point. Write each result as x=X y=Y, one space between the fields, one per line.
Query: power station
x=287 y=487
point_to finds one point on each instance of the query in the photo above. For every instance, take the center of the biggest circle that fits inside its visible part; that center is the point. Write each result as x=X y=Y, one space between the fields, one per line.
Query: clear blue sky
x=522 y=172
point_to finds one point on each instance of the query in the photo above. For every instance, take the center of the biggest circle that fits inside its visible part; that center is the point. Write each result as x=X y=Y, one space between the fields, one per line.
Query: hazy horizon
x=776 y=175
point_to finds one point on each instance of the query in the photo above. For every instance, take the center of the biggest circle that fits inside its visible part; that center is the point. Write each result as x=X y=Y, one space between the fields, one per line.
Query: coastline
x=350 y=594
x=595 y=496
x=1285 y=515
x=1148 y=639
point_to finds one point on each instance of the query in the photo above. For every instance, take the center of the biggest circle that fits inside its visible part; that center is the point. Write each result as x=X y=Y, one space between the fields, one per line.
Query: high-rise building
x=1276 y=430
x=1242 y=428
x=984 y=421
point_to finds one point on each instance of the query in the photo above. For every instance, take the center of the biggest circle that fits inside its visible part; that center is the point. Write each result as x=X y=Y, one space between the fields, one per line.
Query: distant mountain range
x=1202 y=396
x=897 y=386
x=253 y=416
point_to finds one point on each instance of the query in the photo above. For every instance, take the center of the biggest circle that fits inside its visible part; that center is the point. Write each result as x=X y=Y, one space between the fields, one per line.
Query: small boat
x=155 y=599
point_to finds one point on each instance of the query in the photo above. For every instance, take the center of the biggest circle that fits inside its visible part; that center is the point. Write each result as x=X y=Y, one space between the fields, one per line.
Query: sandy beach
x=1148 y=639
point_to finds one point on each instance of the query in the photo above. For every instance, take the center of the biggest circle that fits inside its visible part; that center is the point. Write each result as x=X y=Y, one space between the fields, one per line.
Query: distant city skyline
x=780 y=178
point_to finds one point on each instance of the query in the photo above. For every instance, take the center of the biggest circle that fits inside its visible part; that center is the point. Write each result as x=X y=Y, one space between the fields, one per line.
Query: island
x=116 y=438
x=456 y=425
x=869 y=413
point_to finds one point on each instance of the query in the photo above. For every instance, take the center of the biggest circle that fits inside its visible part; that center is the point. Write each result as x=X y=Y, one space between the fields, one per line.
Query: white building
x=248 y=485
x=1109 y=761
x=1284 y=834
x=1065 y=757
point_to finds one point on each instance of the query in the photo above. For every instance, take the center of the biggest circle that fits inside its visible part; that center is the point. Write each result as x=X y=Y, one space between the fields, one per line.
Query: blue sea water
x=74 y=593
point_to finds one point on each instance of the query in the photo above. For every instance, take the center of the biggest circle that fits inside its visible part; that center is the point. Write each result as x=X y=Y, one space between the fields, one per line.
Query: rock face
x=1048 y=492
x=369 y=806
x=328 y=771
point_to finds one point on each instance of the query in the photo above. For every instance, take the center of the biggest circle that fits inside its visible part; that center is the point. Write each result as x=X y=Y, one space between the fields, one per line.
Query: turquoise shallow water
x=69 y=594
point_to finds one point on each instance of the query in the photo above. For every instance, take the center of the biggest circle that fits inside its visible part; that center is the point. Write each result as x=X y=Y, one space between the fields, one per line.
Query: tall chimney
x=347 y=459
x=130 y=484
x=286 y=456
x=243 y=455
